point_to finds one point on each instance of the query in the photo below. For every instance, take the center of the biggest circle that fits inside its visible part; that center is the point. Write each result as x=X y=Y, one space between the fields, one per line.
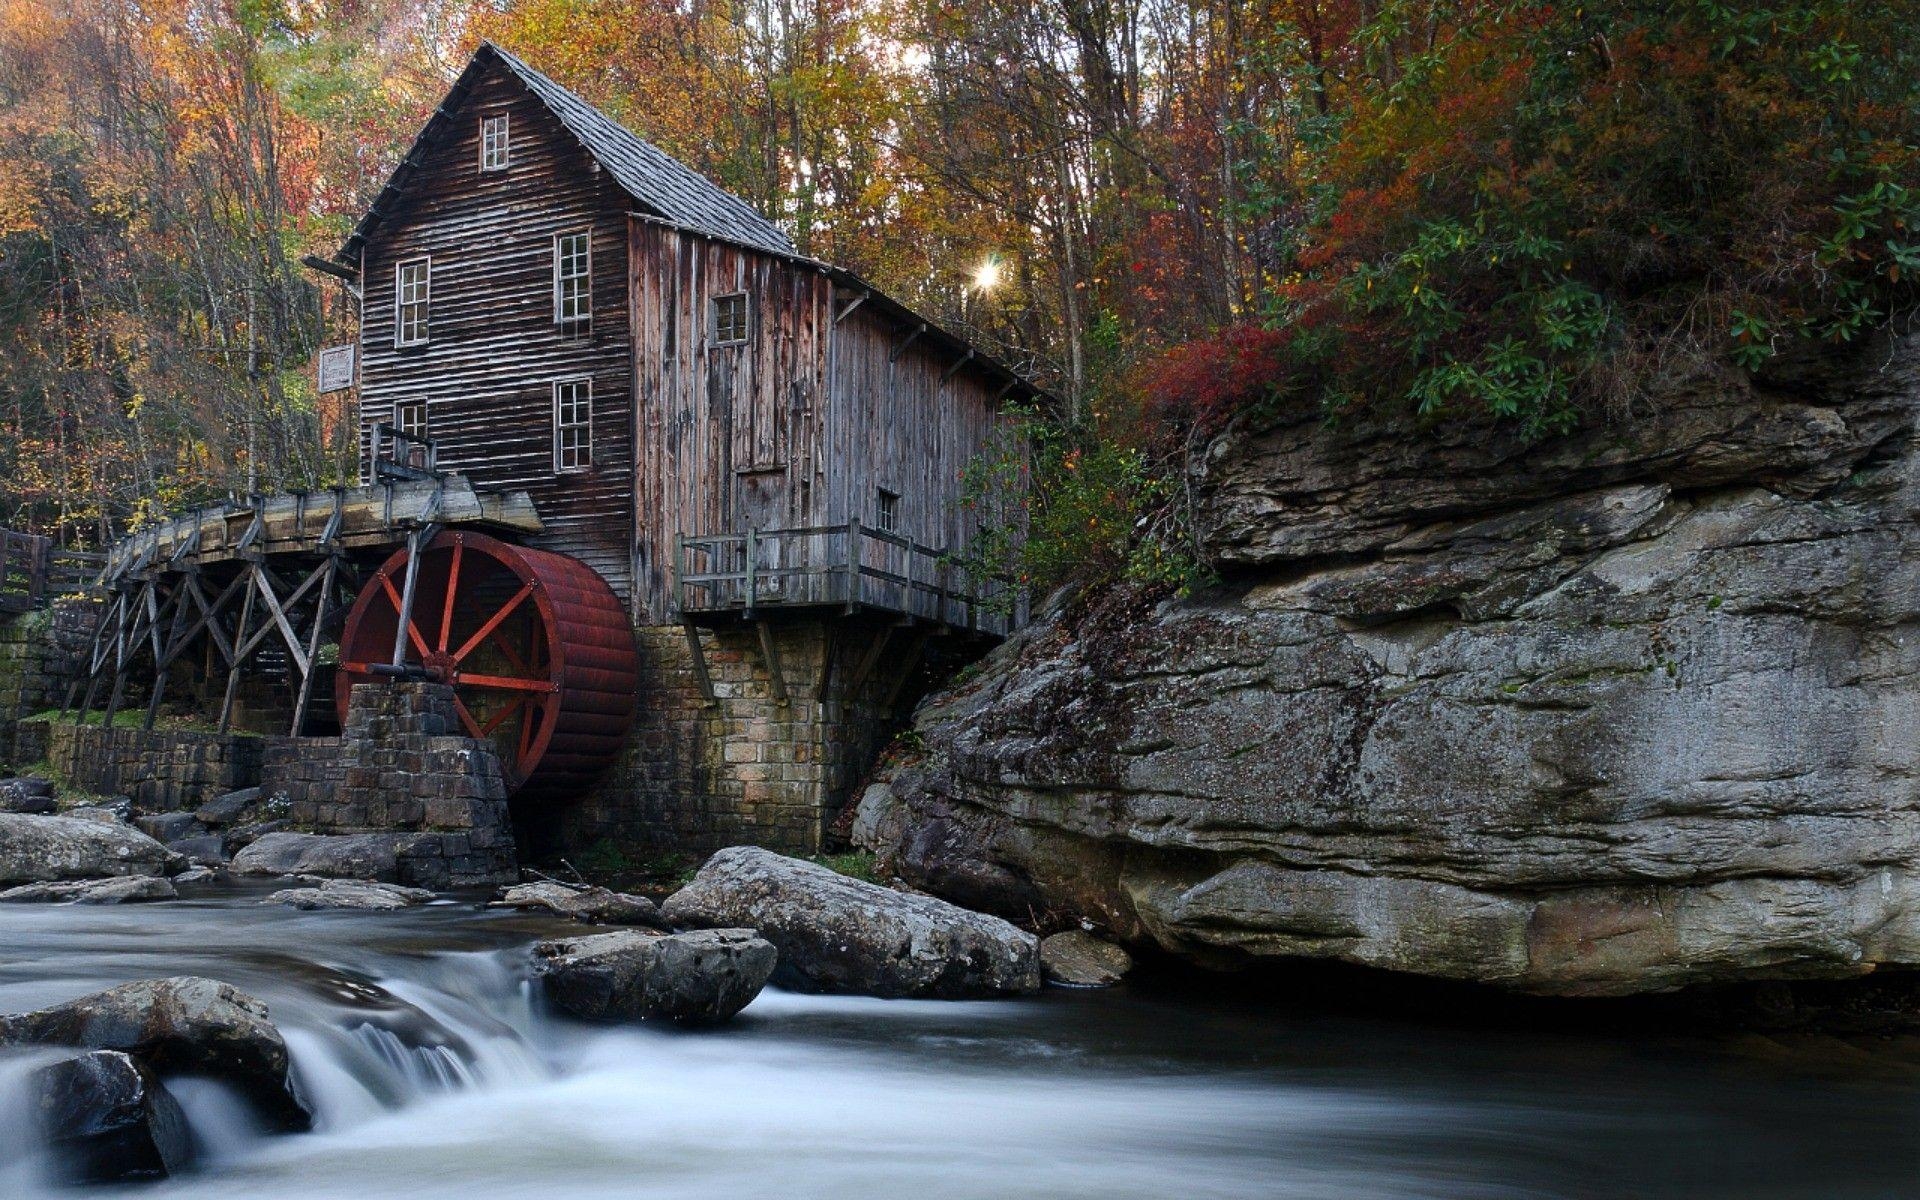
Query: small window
x=572 y=425
x=412 y=280
x=888 y=517
x=493 y=143
x=572 y=279
x=730 y=319
x=410 y=418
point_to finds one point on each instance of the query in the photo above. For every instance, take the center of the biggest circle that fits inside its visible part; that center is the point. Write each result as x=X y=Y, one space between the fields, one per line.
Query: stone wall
x=746 y=768
x=40 y=653
x=162 y=769
x=400 y=766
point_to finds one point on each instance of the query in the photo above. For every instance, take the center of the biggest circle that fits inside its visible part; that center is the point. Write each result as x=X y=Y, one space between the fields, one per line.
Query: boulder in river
x=107 y=1119
x=367 y=895
x=839 y=934
x=1078 y=959
x=27 y=794
x=699 y=978
x=184 y=1025
x=234 y=808
x=37 y=849
x=169 y=826
x=113 y=810
x=206 y=849
x=597 y=905
x=336 y=856
x=115 y=889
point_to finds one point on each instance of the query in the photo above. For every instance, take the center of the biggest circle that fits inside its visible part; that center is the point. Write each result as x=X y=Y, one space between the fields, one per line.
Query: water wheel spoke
x=413 y=631
x=500 y=718
x=453 y=591
x=466 y=718
x=493 y=622
x=519 y=665
x=527 y=729
x=505 y=683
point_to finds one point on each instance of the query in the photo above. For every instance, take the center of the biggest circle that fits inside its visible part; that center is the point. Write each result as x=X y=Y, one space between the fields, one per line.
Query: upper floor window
x=572 y=425
x=731 y=318
x=493 y=143
x=411 y=284
x=572 y=278
x=888 y=516
x=410 y=418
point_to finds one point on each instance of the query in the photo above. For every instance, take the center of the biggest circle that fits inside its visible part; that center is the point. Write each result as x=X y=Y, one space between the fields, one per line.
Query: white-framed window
x=412 y=283
x=572 y=278
x=887 y=511
x=410 y=418
x=732 y=319
x=494 y=150
x=572 y=425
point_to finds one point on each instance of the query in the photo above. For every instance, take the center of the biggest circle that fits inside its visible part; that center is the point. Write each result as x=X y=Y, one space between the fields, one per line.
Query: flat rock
x=193 y=875
x=699 y=978
x=363 y=894
x=206 y=849
x=236 y=838
x=169 y=826
x=119 y=889
x=335 y=856
x=118 y=811
x=838 y=934
x=234 y=808
x=36 y=849
x=184 y=1025
x=107 y=1119
x=27 y=794
x=597 y=905
x=1079 y=959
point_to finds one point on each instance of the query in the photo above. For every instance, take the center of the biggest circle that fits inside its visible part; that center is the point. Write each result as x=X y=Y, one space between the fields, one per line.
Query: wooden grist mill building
x=676 y=510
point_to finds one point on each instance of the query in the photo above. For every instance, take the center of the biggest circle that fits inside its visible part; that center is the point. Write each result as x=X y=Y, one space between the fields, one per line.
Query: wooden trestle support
x=276 y=571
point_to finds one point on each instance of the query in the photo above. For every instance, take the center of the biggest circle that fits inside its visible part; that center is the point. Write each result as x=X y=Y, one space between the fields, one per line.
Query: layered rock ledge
x=1620 y=711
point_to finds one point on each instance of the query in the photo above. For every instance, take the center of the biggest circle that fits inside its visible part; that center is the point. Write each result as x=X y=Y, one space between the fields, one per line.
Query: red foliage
x=1202 y=383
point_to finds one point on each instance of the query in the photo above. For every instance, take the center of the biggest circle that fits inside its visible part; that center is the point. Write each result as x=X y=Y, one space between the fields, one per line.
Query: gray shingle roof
x=651 y=176
x=659 y=183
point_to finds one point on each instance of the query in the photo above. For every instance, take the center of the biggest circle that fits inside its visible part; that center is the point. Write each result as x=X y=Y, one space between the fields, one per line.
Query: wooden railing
x=851 y=566
x=34 y=570
x=401 y=455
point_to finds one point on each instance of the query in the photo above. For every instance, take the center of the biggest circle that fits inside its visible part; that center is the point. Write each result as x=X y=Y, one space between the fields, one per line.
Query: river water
x=435 y=1072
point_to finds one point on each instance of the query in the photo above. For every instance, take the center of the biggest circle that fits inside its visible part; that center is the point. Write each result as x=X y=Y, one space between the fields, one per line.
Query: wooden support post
x=233 y=667
x=701 y=679
x=856 y=540
x=869 y=661
x=165 y=656
x=771 y=652
x=93 y=667
x=420 y=538
x=753 y=582
x=907 y=668
x=321 y=604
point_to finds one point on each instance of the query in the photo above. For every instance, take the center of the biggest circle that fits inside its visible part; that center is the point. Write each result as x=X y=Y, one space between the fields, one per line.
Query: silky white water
x=434 y=1072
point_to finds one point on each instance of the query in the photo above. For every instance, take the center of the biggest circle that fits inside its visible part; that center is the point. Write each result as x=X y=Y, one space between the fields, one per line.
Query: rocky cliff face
x=1623 y=711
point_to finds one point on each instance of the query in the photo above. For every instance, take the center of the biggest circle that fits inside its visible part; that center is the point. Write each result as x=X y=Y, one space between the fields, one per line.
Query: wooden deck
x=851 y=567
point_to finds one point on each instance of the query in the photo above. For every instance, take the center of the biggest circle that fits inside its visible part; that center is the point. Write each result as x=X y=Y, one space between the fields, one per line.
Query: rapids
x=435 y=1073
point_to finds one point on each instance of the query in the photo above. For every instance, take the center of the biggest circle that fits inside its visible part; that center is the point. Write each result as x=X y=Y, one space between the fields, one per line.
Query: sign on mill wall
x=336 y=369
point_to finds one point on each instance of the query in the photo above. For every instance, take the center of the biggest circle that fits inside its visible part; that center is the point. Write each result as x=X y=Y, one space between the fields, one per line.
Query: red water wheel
x=536 y=645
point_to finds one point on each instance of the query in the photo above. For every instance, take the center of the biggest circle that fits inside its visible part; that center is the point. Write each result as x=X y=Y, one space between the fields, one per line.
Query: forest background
x=1174 y=214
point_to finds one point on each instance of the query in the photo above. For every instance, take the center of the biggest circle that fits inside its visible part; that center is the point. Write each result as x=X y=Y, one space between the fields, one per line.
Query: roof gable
x=656 y=181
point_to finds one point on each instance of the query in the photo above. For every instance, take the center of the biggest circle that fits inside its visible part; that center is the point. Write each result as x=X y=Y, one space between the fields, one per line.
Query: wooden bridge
x=36 y=570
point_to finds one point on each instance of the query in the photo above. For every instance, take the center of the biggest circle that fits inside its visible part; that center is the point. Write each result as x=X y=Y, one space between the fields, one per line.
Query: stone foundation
x=40 y=652
x=745 y=768
x=162 y=770
x=399 y=767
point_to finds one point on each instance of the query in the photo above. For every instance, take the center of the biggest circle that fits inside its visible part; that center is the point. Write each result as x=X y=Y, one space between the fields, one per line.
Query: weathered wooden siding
x=494 y=350
x=902 y=425
x=728 y=436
